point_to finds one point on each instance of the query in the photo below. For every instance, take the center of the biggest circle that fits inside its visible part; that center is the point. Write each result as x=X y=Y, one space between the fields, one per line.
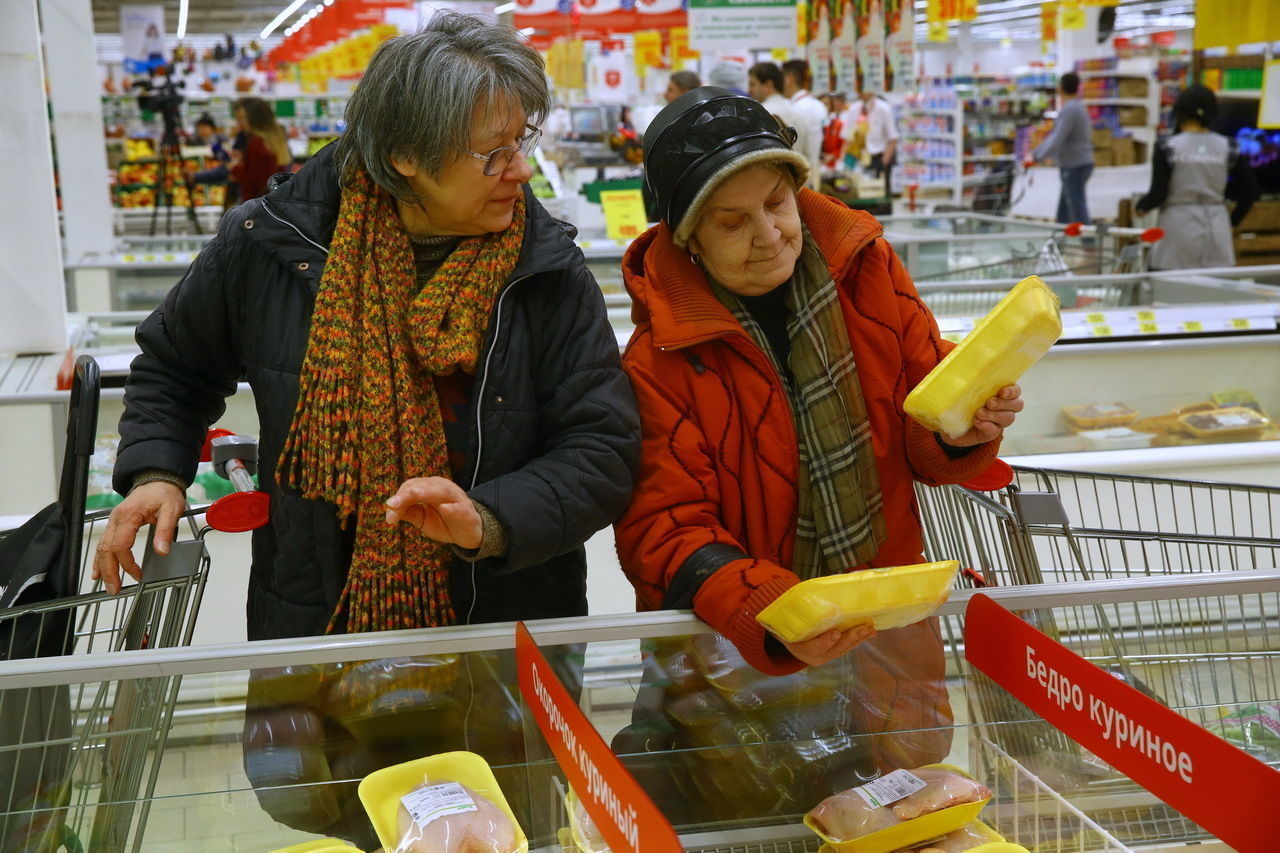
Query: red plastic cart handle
x=997 y=475
x=1153 y=235
x=1074 y=229
x=206 y=452
x=239 y=512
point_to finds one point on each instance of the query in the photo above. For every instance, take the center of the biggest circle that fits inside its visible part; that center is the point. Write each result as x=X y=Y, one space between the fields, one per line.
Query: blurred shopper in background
x=811 y=116
x=681 y=82
x=729 y=74
x=873 y=117
x=1071 y=146
x=764 y=84
x=266 y=151
x=1194 y=173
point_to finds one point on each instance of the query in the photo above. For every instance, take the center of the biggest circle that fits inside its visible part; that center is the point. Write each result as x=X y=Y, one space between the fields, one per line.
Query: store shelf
x=1111 y=72
x=1119 y=102
x=985 y=158
x=1250 y=94
x=915 y=111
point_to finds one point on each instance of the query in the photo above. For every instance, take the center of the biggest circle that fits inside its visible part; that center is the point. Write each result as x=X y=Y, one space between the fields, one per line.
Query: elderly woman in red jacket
x=777 y=335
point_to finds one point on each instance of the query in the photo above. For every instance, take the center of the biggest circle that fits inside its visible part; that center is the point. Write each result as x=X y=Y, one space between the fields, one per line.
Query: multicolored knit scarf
x=367 y=416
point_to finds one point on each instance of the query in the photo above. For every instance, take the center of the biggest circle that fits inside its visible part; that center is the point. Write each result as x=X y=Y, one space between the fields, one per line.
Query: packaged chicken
x=898 y=810
x=1236 y=423
x=1099 y=415
x=883 y=598
x=583 y=833
x=1002 y=346
x=447 y=803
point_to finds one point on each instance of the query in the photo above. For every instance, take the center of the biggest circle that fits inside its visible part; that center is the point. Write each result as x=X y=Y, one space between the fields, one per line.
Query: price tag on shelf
x=1145 y=316
x=170 y=257
x=128 y=259
x=1102 y=331
x=624 y=214
x=1096 y=318
x=1241 y=323
x=1193 y=326
x=148 y=258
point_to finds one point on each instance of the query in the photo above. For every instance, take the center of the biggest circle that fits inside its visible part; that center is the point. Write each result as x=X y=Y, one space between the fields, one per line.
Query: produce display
x=1002 y=346
x=883 y=598
x=899 y=810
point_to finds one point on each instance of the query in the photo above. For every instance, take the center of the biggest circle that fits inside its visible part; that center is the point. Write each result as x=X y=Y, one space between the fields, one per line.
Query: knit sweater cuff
x=493 y=539
x=934 y=465
x=156 y=475
x=749 y=635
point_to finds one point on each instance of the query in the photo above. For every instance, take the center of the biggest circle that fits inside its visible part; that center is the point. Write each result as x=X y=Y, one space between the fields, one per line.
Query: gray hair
x=418 y=97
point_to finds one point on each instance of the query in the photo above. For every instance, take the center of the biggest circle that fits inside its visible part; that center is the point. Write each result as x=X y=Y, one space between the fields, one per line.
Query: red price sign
x=613 y=78
x=1228 y=792
x=622 y=811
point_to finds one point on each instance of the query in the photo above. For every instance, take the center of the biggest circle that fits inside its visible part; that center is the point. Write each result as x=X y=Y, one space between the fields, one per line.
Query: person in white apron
x=1194 y=173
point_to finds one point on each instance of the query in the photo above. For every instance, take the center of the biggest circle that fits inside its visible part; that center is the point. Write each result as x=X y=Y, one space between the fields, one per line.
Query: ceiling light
x=318 y=8
x=504 y=9
x=281 y=18
x=182 y=19
x=328 y=2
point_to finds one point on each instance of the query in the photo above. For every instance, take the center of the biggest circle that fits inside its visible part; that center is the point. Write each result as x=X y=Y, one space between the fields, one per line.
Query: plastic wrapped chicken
x=892 y=800
x=448 y=817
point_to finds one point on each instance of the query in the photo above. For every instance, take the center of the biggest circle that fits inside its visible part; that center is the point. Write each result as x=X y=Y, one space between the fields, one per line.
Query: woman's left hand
x=440 y=509
x=991 y=420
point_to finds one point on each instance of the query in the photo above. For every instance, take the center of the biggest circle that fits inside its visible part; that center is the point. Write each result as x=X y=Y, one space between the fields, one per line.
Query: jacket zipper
x=279 y=218
x=484 y=377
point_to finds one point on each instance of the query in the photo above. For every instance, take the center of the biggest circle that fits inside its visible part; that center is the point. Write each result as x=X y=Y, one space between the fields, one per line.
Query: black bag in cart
x=39 y=564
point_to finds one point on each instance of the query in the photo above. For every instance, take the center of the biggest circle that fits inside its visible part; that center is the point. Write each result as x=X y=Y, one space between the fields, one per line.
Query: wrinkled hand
x=992 y=419
x=825 y=648
x=157 y=503
x=440 y=509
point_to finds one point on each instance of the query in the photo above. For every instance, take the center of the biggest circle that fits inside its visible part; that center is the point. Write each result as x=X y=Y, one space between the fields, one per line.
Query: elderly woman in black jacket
x=425 y=345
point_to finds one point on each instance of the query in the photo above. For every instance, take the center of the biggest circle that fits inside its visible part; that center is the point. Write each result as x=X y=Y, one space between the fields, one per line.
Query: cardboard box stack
x=1111 y=150
x=1257 y=239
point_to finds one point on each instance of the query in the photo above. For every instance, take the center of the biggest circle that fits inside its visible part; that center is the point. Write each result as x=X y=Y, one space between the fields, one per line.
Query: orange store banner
x=1224 y=789
x=622 y=811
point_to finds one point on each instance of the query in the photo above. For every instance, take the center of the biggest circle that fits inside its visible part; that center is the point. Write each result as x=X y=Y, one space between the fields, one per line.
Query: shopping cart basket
x=1049 y=527
x=67 y=754
x=1073 y=249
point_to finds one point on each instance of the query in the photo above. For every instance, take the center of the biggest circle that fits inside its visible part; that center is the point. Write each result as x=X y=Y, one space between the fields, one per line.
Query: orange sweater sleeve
x=923 y=347
x=674 y=512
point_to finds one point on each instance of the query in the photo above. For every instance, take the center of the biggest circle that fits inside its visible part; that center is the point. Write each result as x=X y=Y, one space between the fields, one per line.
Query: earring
x=696 y=258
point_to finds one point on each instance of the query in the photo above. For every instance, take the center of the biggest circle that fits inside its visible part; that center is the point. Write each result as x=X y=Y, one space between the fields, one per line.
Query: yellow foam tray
x=574 y=830
x=883 y=598
x=321 y=845
x=910 y=832
x=381 y=790
x=995 y=844
x=1002 y=346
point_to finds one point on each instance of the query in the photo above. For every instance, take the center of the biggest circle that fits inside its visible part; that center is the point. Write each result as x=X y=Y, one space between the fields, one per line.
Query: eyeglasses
x=497 y=160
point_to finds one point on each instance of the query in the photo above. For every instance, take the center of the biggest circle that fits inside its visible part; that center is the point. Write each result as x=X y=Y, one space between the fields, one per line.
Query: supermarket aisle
x=1105 y=189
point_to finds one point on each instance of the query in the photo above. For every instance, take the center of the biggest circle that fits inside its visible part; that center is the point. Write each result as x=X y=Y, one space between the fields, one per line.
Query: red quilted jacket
x=719 y=460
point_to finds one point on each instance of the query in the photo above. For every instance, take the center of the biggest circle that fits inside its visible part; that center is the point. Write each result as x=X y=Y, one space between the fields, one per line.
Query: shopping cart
x=1194 y=655
x=66 y=754
x=1074 y=249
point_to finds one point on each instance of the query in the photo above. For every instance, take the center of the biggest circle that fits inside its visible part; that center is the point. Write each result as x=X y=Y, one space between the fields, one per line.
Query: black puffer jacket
x=554 y=431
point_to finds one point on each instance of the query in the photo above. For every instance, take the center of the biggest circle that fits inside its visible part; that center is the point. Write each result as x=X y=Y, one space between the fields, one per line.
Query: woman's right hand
x=157 y=503
x=826 y=647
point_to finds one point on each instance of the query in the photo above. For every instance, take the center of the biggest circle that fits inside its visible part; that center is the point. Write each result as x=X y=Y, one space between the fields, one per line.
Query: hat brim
x=711 y=175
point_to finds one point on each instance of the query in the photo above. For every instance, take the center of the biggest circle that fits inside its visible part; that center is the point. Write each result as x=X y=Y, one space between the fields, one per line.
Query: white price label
x=890 y=788
x=433 y=802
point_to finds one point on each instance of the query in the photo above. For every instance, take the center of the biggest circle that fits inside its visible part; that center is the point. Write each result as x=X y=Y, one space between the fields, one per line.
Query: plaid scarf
x=367 y=417
x=840 y=523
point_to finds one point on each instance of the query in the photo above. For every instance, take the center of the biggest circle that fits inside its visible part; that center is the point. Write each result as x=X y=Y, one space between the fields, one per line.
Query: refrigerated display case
x=267 y=741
